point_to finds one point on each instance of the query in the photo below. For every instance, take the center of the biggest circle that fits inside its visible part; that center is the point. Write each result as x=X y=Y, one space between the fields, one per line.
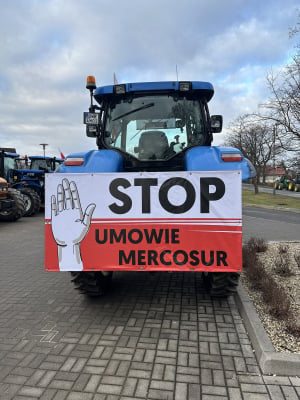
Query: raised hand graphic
x=69 y=225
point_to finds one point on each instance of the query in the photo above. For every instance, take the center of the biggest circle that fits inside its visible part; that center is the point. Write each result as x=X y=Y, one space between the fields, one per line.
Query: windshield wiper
x=135 y=110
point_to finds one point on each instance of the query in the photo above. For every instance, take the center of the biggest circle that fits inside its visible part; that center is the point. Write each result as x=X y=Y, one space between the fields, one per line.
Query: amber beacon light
x=91 y=82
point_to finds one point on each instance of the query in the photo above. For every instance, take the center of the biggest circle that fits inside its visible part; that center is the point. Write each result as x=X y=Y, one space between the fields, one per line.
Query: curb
x=270 y=361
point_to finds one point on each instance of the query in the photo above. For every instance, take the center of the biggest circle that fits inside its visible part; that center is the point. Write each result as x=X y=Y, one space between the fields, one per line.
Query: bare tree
x=275 y=130
x=283 y=108
x=256 y=140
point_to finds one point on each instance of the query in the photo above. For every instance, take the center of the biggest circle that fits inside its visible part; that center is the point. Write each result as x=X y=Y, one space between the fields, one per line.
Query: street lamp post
x=44 y=147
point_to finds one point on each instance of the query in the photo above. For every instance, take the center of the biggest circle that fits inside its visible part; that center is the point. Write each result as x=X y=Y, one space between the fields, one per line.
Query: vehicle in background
x=12 y=202
x=283 y=182
x=29 y=177
x=295 y=184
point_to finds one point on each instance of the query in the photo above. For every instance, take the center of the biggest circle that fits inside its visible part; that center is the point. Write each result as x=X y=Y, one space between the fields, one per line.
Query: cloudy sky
x=47 y=48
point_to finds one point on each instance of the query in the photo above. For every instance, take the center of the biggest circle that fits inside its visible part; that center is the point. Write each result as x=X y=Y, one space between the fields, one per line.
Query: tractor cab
x=8 y=161
x=12 y=203
x=152 y=124
x=46 y=164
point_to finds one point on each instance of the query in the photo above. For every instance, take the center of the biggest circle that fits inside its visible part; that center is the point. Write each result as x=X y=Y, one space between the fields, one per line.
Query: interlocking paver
x=31 y=391
x=60 y=384
x=152 y=337
x=60 y=395
x=80 y=396
x=234 y=394
x=109 y=389
x=214 y=390
x=290 y=393
x=187 y=378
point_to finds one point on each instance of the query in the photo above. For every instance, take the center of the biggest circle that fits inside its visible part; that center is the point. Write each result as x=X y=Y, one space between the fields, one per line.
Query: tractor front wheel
x=92 y=284
x=18 y=210
x=221 y=284
x=32 y=201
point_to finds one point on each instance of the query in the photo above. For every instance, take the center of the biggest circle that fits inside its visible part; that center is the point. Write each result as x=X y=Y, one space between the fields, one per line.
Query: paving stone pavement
x=154 y=336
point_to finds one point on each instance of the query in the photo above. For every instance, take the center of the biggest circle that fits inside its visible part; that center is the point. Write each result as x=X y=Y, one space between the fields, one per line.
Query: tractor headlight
x=119 y=89
x=185 y=86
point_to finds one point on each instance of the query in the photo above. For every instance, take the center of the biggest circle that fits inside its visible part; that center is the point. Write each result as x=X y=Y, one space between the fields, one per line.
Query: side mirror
x=216 y=123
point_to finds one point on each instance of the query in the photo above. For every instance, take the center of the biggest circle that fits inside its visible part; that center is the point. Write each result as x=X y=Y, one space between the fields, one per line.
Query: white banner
x=148 y=220
x=151 y=194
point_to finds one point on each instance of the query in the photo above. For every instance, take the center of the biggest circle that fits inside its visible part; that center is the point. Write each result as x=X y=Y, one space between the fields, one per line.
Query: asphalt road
x=271 y=225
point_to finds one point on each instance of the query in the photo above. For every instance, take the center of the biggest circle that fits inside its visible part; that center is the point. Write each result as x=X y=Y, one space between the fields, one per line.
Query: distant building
x=271 y=174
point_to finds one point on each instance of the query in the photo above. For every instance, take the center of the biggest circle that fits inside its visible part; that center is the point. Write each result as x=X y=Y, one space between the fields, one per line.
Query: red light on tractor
x=74 y=161
x=91 y=82
x=229 y=157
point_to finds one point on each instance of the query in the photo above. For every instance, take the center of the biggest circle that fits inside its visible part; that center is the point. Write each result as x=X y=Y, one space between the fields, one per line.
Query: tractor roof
x=44 y=158
x=195 y=88
x=10 y=154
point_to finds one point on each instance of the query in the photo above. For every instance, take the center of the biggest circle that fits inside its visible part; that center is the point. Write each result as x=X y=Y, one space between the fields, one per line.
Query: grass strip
x=269 y=200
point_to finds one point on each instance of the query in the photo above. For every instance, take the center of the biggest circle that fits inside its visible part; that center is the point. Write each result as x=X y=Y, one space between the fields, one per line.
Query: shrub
x=293 y=327
x=297 y=259
x=257 y=275
x=283 y=249
x=282 y=265
x=259 y=245
x=249 y=257
x=276 y=299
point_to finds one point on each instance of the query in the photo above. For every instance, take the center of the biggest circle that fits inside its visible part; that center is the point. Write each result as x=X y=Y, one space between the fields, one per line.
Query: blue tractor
x=43 y=163
x=153 y=127
x=29 y=177
x=12 y=202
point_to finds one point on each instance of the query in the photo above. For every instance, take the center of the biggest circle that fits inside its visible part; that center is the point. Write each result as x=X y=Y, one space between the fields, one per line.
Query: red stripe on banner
x=161 y=220
x=51 y=259
x=156 y=247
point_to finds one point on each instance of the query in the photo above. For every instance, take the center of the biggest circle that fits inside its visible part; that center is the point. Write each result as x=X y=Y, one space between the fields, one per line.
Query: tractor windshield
x=41 y=164
x=155 y=127
x=9 y=163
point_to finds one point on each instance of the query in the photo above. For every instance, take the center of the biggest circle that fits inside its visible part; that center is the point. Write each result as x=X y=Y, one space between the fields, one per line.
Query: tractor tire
x=280 y=186
x=32 y=201
x=18 y=210
x=290 y=186
x=221 y=284
x=93 y=284
x=297 y=187
x=276 y=185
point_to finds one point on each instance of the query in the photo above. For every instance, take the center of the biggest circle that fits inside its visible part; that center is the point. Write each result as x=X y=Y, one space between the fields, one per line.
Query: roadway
x=271 y=225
